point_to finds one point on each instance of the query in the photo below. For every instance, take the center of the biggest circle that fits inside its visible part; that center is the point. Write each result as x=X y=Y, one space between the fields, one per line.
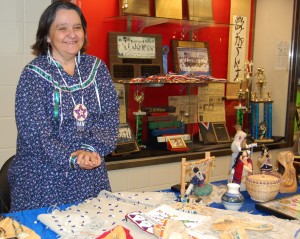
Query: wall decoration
x=168 y=9
x=191 y=57
x=200 y=10
x=133 y=55
x=134 y=7
x=206 y=133
x=238 y=48
x=220 y=131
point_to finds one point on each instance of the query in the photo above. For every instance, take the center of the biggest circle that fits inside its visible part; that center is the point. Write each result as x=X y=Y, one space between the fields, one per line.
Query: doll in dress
x=239 y=142
x=265 y=160
x=242 y=167
x=198 y=186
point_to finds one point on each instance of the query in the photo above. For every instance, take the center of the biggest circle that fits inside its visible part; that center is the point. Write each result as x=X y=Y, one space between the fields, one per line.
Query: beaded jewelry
x=73 y=162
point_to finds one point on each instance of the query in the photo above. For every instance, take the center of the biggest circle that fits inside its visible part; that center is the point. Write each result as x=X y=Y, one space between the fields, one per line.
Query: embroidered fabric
x=98 y=215
x=103 y=213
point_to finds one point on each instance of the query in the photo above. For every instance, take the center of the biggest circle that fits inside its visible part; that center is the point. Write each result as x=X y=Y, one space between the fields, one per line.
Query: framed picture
x=206 y=133
x=191 y=57
x=286 y=207
x=134 y=55
x=220 y=131
x=126 y=141
x=177 y=143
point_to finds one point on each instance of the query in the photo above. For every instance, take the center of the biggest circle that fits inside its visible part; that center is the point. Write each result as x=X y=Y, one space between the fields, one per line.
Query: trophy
x=139 y=98
x=243 y=94
x=261 y=131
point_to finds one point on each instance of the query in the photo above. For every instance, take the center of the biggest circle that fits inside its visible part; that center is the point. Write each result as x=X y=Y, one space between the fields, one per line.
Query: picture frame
x=220 y=132
x=126 y=59
x=191 y=57
x=206 y=133
x=126 y=141
x=285 y=207
x=177 y=143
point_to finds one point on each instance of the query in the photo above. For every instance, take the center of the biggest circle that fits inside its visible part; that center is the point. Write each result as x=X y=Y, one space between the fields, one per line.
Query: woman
x=66 y=115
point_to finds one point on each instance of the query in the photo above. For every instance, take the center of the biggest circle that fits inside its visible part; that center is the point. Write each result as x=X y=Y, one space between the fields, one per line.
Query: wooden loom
x=184 y=164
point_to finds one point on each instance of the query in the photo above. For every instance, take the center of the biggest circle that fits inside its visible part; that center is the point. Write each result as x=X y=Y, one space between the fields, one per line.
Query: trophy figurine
x=139 y=98
x=261 y=130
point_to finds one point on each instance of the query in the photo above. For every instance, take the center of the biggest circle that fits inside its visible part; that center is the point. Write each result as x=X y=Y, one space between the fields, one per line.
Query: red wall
x=98 y=14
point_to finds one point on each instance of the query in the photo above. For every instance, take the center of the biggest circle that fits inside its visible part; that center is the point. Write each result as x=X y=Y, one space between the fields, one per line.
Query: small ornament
x=80 y=113
x=233 y=199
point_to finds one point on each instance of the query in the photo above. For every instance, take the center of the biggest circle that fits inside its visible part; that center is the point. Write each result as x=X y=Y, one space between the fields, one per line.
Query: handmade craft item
x=117 y=232
x=204 y=168
x=262 y=187
x=288 y=180
x=231 y=227
x=233 y=199
x=265 y=160
x=171 y=229
x=198 y=185
x=10 y=228
x=242 y=167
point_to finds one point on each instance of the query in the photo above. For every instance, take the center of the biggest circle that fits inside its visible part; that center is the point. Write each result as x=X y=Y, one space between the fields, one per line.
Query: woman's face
x=66 y=35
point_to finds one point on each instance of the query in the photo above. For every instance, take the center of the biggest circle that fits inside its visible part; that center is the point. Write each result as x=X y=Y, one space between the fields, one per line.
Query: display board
x=134 y=55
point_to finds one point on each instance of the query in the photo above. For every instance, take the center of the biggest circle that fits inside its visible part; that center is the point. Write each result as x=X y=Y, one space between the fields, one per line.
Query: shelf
x=145 y=21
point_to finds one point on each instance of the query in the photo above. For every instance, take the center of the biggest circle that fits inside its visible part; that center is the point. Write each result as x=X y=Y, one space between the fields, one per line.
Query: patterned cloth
x=40 y=174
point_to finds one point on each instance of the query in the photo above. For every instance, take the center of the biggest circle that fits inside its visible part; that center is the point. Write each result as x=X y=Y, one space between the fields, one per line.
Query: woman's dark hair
x=40 y=46
x=237 y=159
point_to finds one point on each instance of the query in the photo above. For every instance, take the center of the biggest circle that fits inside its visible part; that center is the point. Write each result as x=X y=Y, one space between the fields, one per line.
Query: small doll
x=265 y=160
x=198 y=185
x=243 y=166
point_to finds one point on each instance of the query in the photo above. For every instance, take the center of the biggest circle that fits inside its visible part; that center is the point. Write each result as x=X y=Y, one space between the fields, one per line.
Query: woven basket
x=262 y=187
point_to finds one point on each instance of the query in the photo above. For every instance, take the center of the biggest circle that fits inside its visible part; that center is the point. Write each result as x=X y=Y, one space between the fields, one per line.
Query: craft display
x=232 y=199
x=289 y=179
x=103 y=214
x=262 y=187
x=199 y=182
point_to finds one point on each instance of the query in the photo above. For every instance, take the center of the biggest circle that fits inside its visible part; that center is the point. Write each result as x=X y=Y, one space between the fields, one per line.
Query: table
x=29 y=217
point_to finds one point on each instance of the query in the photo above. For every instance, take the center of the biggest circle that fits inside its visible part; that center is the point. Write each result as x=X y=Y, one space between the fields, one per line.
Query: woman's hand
x=86 y=159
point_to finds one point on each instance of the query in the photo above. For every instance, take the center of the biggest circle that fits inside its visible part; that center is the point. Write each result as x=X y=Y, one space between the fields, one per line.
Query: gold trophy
x=139 y=98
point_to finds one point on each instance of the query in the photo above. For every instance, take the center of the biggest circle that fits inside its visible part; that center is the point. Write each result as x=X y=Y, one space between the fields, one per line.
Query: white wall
x=18 y=24
x=273 y=23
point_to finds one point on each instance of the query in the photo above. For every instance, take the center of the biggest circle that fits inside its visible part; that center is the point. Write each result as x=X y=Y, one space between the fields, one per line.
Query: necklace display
x=80 y=111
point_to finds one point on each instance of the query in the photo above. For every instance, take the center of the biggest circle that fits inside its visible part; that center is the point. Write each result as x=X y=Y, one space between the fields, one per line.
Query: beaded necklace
x=80 y=111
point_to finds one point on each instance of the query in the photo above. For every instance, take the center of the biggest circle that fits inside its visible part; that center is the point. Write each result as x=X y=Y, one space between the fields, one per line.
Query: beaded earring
x=78 y=57
x=49 y=57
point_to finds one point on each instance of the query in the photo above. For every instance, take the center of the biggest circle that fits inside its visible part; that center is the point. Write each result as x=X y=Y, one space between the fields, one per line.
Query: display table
x=29 y=217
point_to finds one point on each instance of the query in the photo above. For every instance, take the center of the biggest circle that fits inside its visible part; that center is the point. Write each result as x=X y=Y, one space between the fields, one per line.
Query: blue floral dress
x=40 y=174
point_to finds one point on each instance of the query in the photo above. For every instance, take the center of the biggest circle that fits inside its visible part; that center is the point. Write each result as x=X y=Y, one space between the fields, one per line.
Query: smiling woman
x=66 y=114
